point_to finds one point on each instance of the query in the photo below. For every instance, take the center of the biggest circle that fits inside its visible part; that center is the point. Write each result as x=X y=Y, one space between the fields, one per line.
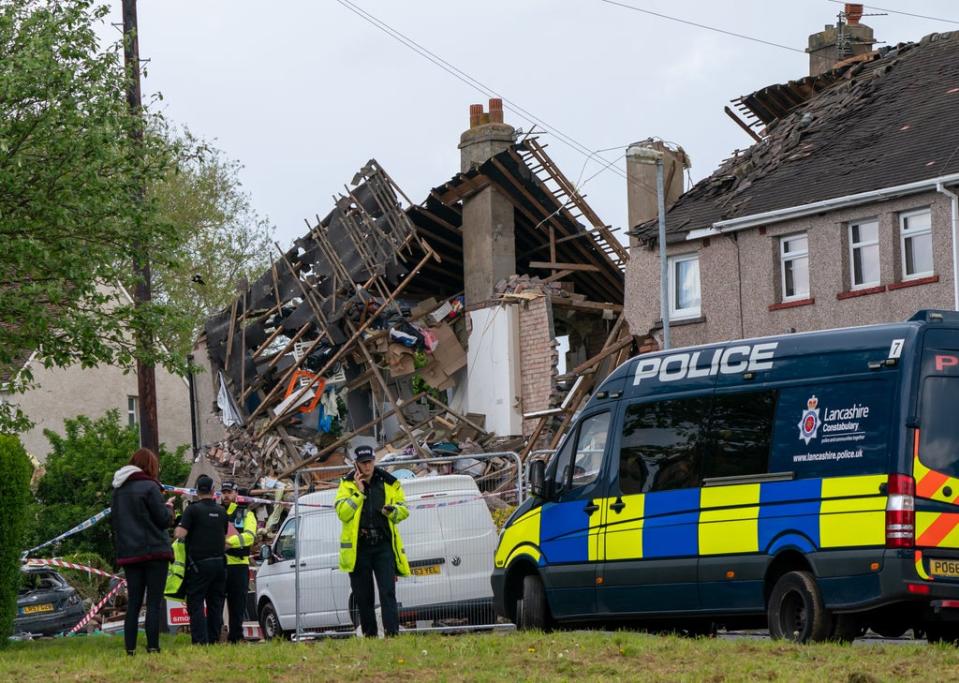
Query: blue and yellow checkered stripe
x=810 y=514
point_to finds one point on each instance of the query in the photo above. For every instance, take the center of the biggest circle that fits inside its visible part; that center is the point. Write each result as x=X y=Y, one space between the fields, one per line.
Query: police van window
x=285 y=547
x=560 y=465
x=661 y=448
x=590 y=448
x=740 y=432
x=939 y=428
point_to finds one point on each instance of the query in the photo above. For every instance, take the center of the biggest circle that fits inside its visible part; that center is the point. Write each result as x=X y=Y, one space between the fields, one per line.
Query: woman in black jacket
x=140 y=521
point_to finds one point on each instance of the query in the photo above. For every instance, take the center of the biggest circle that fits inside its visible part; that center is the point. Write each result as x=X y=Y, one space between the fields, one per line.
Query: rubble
x=359 y=333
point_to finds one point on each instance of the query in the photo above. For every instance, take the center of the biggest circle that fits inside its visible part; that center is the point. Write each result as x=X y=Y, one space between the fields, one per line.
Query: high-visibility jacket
x=174 y=589
x=349 y=506
x=238 y=546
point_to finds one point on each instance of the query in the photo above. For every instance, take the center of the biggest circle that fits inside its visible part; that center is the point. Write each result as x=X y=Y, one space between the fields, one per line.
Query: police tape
x=57 y=562
x=86 y=524
x=183 y=491
x=96 y=608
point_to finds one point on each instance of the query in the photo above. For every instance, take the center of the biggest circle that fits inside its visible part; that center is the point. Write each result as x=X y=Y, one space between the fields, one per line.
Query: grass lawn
x=490 y=656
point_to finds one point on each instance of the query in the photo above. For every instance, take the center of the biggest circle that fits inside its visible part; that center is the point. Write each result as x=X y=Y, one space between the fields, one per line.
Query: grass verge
x=479 y=657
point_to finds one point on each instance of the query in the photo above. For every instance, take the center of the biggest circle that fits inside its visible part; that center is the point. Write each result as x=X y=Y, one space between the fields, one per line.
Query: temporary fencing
x=450 y=538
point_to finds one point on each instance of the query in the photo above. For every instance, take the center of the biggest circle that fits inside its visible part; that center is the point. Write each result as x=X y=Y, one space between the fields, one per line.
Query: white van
x=449 y=537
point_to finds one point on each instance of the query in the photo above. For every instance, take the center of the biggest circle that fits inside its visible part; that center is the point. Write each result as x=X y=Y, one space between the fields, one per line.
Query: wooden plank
x=608 y=351
x=586 y=305
x=561 y=275
x=551 y=265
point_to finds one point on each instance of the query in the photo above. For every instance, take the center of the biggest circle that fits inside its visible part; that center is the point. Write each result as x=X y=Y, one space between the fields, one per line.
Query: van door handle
x=293 y=564
x=618 y=505
x=590 y=508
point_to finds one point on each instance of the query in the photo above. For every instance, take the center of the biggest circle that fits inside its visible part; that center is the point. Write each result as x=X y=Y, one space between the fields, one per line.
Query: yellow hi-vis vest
x=349 y=504
x=174 y=589
x=238 y=546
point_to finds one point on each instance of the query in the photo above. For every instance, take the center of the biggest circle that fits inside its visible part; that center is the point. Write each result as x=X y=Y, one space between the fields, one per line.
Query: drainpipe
x=954 y=201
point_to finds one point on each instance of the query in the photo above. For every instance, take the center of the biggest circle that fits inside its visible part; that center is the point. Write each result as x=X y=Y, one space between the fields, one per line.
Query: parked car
x=449 y=539
x=46 y=604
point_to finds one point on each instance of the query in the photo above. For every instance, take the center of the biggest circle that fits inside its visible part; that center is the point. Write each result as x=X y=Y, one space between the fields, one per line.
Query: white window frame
x=682 y=313
x=792 y=256
x=906 y=233
x=133 y=411
x=860 y=245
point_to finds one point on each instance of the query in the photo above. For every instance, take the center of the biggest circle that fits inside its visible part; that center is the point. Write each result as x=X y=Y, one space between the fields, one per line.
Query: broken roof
x=868 y=125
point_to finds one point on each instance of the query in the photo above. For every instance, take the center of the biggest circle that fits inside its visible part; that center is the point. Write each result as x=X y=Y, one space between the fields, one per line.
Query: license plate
x=944 y=567
x=34 y=609
x=428 y=570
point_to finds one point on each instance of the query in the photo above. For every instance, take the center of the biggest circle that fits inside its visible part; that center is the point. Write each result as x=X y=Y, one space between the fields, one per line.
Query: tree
x=78 y=480
x=224 y=239
x=69 y=225
x=15 y=473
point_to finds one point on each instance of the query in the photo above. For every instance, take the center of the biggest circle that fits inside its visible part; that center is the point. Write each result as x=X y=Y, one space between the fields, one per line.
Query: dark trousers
x=205 y=585
x=237 y=585
x=149 y=578
x=375 y=561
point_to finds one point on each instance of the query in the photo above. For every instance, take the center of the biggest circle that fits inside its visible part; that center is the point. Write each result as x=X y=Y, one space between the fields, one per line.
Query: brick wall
x=538 y=358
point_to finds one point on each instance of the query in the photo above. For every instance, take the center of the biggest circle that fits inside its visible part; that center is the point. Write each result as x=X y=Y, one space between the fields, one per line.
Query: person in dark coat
x=140 y=520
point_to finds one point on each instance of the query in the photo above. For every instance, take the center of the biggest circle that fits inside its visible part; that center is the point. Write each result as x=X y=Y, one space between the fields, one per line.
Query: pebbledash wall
x=740 y=277
x=64 y=393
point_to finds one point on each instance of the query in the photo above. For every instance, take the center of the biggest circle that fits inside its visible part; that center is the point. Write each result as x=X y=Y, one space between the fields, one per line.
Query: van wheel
x=270 y=623
x=796 y=610
x=532 y=610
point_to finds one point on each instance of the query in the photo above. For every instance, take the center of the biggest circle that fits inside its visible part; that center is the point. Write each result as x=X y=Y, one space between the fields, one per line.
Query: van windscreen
x=939 y=426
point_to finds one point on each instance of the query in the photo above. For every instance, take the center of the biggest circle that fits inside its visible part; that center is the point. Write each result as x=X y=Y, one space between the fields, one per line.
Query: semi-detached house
x=842 y=213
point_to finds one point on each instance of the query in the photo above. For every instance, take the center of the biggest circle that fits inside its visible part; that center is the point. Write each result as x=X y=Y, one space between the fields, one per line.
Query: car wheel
x=796 y=610
x=532 y=611
x=270 y=623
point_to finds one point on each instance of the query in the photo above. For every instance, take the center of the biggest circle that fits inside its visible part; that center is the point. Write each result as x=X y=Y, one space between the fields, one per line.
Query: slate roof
x=888 y=121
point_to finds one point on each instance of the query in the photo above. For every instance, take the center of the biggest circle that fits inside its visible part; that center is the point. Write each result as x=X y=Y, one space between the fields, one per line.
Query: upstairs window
x=133 y=411
x=684 y=296
x=794 y=267
x=864 y=254
x=915 y=229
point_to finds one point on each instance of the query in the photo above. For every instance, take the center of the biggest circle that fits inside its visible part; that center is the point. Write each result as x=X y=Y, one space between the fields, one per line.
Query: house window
x=794 y=266
x=864 y=254
x=684 y=297
x=133 y=411
x=915 y=229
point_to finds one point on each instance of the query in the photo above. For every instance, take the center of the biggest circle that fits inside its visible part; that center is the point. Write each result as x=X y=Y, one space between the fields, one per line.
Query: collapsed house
x=476 y=321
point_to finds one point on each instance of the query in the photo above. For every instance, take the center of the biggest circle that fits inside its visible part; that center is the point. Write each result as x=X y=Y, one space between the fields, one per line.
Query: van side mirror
x=537 y=478
x=266 y=553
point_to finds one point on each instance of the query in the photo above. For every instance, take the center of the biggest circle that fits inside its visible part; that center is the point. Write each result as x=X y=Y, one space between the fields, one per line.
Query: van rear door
x=936 y=445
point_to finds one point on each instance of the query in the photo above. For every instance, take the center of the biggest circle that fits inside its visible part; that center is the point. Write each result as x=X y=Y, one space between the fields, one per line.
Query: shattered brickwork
x=538 y=357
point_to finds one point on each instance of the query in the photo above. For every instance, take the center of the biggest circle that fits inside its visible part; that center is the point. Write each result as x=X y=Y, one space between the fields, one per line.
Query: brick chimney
x=848 y=38
x=489 y=242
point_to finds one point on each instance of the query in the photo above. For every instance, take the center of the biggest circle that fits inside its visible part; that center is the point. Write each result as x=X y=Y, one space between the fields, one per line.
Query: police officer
x=240 y=536
x=203 y=525
x=370 y=503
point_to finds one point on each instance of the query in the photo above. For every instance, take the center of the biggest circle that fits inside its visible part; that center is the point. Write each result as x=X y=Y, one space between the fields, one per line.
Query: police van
x=808 y=482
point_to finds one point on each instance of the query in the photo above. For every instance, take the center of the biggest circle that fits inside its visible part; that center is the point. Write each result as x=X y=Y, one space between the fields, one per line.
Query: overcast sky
x=303 y=93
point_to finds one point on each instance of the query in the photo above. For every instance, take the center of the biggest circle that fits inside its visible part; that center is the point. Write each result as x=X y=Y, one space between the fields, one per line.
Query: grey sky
x=303 y=93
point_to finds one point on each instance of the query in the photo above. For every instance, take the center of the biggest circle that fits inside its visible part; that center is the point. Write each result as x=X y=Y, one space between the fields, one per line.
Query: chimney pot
x=496 y=110
x=476 y=113
x=853 y=13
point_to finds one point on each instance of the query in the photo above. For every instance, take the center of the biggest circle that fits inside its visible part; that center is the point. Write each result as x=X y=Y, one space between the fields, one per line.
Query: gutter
x=954 y=202
x=779 y=215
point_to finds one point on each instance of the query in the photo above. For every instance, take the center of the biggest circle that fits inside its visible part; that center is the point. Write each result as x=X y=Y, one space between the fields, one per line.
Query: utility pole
x=146 y=377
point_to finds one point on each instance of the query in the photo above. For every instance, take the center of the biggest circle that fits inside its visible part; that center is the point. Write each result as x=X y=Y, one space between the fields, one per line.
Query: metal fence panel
x=457 y=505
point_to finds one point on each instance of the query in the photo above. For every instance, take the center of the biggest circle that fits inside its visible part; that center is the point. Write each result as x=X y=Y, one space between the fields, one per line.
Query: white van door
x=277 y=578
x=471 y=537
x=426 y=552
x=319 y=557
